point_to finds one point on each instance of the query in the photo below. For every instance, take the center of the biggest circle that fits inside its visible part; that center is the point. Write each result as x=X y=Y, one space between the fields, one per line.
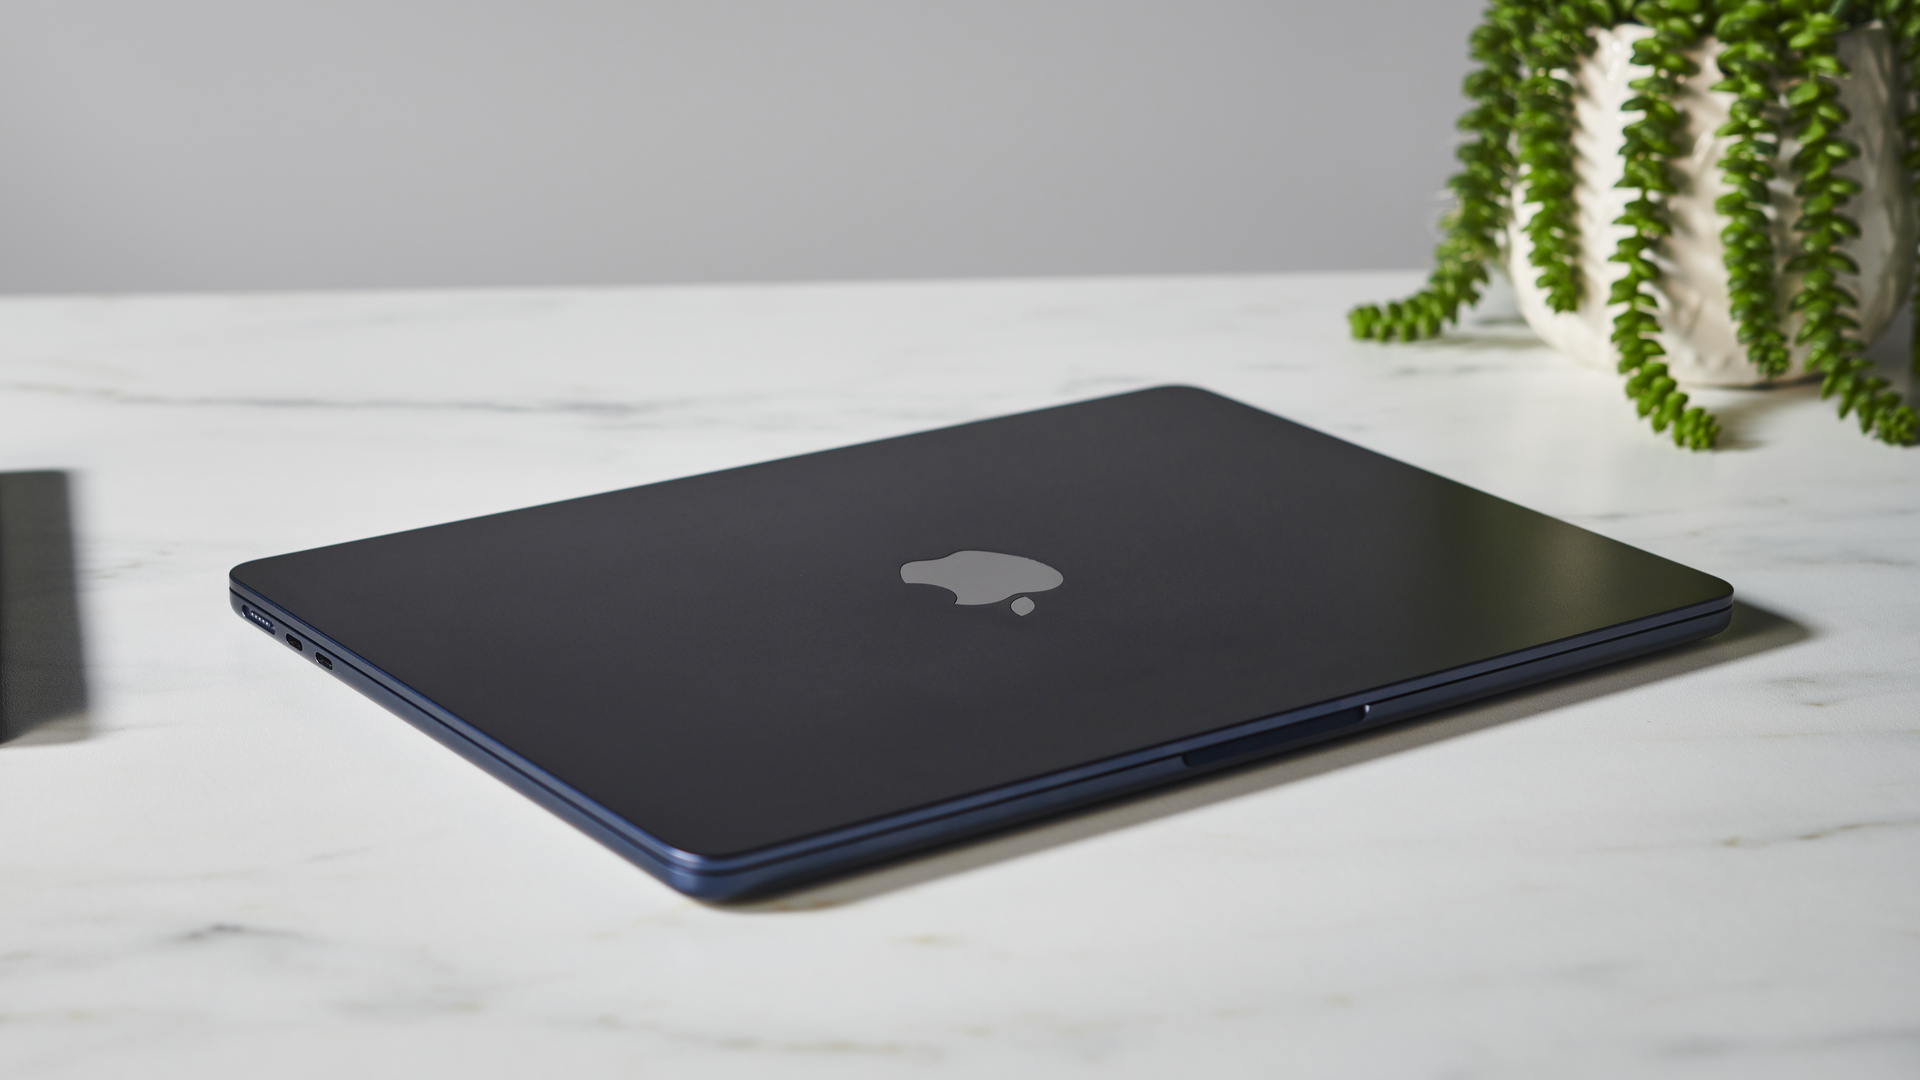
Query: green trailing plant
x=1778 y=62
x=1752 y=51
x=1817 y=118
x=1481 y=188
x=1904 y=18
x=1652 y=142
x=1544 y=132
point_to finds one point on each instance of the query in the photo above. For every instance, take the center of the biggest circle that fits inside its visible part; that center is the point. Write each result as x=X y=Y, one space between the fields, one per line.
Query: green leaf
x=1622 y=291
x=1805 y=92
x=1825 y=64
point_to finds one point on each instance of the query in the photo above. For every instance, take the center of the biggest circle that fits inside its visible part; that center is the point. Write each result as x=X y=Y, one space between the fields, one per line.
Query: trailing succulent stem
x=1753 y=51
x=1480 y=189
x=1652 y=142
x=1778 y=62
x=1903 y=18
x=1816 y=118
x=1544 y=126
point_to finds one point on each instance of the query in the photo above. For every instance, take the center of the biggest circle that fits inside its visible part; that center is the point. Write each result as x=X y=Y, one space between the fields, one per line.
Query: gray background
x=265 y=144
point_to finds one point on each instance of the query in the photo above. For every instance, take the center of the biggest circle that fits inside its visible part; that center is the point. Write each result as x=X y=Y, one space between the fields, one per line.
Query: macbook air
x=748 y=679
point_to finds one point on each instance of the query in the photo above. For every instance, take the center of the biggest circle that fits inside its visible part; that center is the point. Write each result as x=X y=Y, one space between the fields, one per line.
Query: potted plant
x=1799 y=134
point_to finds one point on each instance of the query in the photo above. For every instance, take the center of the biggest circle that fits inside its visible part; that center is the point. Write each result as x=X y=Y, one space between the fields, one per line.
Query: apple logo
x=985 y=577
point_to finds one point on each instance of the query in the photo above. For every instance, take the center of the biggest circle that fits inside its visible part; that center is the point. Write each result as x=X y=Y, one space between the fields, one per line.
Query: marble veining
x=1705 y=864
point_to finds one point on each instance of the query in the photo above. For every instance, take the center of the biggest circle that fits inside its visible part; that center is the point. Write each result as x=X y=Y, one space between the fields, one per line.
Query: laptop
x=749 y=679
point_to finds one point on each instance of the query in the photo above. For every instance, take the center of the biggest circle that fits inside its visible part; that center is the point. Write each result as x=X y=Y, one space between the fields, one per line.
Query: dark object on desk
x=750 y=678
x=42 y=674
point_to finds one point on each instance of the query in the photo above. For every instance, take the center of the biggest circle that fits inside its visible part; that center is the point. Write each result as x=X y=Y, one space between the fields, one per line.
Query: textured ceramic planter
x=1698 y=332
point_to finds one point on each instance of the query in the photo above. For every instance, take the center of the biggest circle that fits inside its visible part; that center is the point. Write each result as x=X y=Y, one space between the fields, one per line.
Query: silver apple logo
x=985 y=577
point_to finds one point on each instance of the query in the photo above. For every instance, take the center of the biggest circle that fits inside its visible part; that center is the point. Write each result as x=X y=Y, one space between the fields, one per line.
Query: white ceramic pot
x=1699 y=334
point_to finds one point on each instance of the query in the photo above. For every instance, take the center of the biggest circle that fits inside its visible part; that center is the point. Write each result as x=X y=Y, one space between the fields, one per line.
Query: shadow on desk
x=1753 y=630
x=43 y=686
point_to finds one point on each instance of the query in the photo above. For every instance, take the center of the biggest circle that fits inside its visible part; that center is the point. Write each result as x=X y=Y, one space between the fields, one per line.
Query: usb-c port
x=294 y=644
x=323 y=659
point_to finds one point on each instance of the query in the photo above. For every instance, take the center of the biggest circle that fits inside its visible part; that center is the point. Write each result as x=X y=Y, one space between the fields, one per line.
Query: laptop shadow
x=1753 y=630
x=43 y=684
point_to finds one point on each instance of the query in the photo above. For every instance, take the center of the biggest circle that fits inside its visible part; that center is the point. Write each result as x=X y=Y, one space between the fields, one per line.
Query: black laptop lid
x=733 y=660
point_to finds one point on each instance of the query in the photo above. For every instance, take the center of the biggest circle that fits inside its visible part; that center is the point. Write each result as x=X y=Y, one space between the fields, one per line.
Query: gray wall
x=266 y=144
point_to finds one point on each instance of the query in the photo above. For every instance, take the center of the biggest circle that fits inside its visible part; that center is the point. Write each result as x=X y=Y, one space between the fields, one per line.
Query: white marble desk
x=1706 y=864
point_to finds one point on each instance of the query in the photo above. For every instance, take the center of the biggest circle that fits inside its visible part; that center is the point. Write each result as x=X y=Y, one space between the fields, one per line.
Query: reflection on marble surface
x=1704 y=864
